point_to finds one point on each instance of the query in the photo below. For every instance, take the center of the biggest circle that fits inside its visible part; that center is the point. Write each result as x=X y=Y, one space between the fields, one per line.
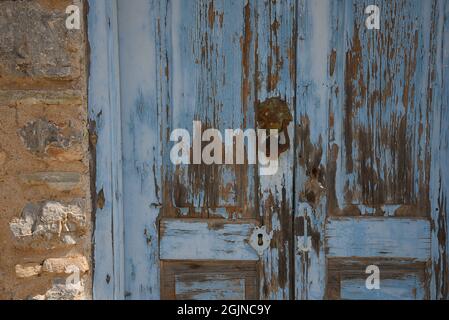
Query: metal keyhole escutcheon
x=260 y=239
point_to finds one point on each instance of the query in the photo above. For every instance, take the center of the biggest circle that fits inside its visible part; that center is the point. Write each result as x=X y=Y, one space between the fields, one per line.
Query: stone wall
x=45 y=221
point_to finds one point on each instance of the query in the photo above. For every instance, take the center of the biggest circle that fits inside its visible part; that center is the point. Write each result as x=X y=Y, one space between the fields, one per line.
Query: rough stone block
x=50 y=222
x=61 y=290
x=35 y=43
x=62 y=265
x=43 y=137
x=28 y=270
x=61 y=181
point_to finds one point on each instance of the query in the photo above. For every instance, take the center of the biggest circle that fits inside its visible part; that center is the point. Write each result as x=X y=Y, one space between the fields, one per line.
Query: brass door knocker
x=274 y=113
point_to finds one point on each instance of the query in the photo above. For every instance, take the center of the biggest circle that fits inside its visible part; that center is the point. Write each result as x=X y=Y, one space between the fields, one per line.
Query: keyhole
x=260 y=239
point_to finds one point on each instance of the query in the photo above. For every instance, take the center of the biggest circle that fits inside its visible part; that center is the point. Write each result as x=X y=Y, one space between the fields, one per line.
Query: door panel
x=234 y=280
x=205 y=72
x=401 y=279
x=383 y=134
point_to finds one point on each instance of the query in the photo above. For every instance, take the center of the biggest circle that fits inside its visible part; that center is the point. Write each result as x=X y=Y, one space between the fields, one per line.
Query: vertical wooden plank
x=268 y=51
x=98 y=96
x=141 y=100
x=118 y=225
x=444 y=148
x=315 y=67
x=104 y=115
x=438 y=96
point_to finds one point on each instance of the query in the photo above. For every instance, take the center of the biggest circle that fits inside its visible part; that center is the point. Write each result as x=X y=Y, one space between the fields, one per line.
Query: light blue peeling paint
x=406 y=288
x=205 y=240
x=100 y=112
x=388 y=69
x=315 y=27
x=271 y=55
x=205 y=76
x=170 y=75
x=378 y=237
x=439 y=177
x=211 y=287
x=141 y=111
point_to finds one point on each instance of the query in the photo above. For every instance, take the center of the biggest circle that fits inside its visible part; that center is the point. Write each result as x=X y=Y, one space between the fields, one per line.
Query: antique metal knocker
x=274 y=113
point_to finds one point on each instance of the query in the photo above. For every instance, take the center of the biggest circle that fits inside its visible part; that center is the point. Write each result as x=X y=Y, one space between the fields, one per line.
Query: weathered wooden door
x=367 y=110
x=357 y=186
x=219 y=59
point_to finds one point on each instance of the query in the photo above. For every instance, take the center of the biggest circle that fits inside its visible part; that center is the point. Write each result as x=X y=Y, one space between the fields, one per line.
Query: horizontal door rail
x=211 y=239
x=378 y=237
